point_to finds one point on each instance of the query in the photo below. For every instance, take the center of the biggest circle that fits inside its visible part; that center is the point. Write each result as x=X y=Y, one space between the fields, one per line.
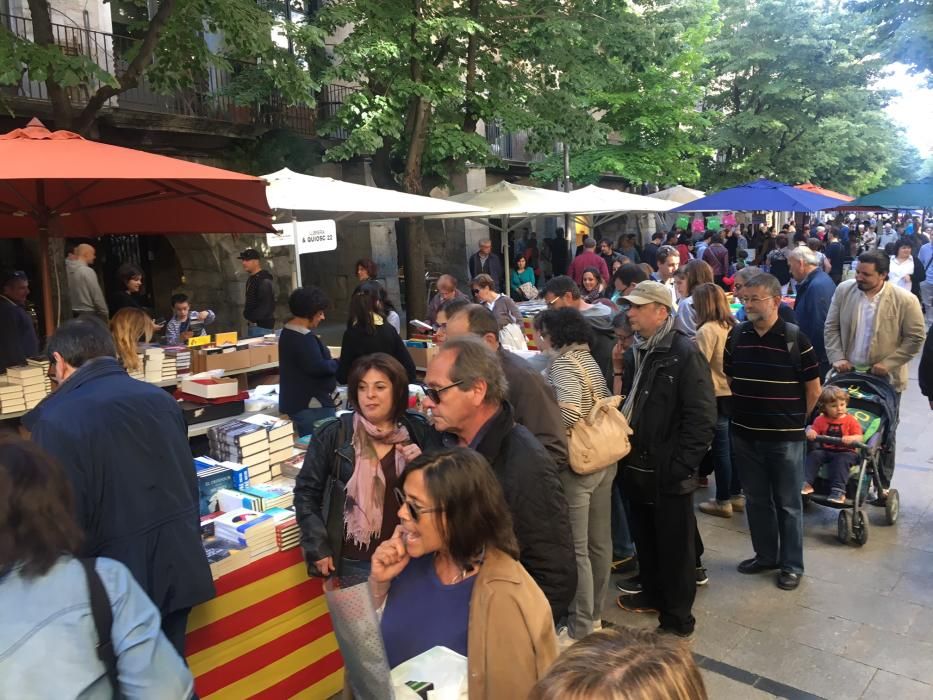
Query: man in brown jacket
x=874 y=327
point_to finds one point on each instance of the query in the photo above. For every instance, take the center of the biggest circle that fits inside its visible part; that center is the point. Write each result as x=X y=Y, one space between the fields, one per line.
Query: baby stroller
x=873 y=403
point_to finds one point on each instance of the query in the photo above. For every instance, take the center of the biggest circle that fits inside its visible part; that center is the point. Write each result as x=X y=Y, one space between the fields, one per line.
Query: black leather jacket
x=673 y=418
x=322 y=527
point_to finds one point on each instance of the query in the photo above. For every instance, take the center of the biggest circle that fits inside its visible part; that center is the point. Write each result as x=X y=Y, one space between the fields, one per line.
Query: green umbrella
x=911 y=195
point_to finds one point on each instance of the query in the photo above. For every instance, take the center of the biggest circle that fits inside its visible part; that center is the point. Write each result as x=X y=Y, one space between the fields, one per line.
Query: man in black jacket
x=532 y=399
x=484 y=261
x=671 y=407
x=259 y=308
x=467 y=391
x=925 y=374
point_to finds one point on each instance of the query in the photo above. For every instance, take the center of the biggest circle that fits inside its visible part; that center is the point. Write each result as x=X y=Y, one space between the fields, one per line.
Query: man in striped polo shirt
x=775 y=378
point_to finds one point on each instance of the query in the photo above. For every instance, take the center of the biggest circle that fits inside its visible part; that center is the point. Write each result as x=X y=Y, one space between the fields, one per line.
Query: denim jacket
x=48 y=643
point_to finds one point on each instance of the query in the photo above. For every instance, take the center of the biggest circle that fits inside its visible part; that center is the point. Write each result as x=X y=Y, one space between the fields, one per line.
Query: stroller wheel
x=892 y=506
x=844 y=526
x=860 y=527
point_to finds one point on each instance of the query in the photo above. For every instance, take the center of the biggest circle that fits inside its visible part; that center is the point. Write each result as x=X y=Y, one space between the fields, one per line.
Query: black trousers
x=174 y=626
x=666 y=539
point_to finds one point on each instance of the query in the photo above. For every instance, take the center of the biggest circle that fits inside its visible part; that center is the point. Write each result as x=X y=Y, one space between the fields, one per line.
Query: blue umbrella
x=762 y=195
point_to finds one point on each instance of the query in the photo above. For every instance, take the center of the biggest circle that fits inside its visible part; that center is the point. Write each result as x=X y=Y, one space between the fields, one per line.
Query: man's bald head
x=474 y=320
x=86 y=253
x=446 y=283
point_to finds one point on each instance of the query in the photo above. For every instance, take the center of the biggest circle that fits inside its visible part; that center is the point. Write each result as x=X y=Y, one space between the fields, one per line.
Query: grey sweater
x=84 y=290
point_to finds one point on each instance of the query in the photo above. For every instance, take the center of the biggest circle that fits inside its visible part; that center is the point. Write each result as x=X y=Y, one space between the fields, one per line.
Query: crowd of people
x=474 y=520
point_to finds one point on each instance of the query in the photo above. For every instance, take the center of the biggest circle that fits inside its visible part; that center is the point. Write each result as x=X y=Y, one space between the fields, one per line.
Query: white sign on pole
x=315 y=236
x=285 y=235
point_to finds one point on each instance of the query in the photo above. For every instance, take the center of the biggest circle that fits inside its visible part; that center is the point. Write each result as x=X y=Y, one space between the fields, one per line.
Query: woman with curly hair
x=129 y=326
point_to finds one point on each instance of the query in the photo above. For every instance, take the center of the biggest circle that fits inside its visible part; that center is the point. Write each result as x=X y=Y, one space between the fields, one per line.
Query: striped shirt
x=570 y=386
x=768 y=396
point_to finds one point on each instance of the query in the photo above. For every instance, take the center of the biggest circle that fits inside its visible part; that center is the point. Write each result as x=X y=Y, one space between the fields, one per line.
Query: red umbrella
x=56 y=183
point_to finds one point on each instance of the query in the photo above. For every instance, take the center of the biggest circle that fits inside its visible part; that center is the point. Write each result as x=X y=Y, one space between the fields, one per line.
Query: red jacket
x=584 y=260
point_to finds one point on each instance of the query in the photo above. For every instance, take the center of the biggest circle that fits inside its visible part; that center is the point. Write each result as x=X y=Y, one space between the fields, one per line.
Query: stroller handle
x=827 y=440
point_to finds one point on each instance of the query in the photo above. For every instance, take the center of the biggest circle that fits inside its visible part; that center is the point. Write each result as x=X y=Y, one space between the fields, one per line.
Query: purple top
x=421 y=612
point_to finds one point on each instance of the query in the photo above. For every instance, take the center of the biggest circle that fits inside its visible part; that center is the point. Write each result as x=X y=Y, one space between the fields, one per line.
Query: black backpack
x=780 y=269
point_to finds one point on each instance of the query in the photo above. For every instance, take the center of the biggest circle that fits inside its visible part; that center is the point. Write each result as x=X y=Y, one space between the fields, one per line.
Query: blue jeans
x=772 y=475
x=305 y=419
x=837 y=467
x=258 y=331
x=622 y=545
x=727 y=478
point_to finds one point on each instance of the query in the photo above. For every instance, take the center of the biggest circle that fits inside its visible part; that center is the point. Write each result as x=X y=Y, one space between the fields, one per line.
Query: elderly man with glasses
x=18 y=338
x=775 y=378
x=466 y=397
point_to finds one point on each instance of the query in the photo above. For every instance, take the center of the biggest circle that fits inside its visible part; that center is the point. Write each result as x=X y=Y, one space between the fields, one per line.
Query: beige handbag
x=600 y=439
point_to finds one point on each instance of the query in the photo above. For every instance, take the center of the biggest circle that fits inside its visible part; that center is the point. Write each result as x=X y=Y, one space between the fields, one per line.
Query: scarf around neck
x=641 y=349
x=366 y=488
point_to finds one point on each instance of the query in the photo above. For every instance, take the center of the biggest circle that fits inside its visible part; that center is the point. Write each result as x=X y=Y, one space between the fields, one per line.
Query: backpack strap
x=103 y=622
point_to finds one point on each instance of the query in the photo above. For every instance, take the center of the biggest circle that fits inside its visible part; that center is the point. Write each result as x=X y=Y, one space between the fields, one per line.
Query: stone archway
x=213 y=276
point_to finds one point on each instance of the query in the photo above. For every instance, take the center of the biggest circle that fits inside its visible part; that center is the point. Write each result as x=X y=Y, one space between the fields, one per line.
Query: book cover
x=210 y=481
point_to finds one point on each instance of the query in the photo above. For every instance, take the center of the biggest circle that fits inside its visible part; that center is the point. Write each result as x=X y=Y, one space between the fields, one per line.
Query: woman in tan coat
x=714 y=321
x=450 y=577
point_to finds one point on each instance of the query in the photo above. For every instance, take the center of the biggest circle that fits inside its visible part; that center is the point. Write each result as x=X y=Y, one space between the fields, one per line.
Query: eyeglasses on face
x=413 y=508
x=754 y=300
x=435 y=394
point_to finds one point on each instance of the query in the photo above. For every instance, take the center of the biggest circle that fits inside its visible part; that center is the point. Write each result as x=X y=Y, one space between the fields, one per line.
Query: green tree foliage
x=792 y=101
x=903 y=30
x=169 y=51
x=646 y=95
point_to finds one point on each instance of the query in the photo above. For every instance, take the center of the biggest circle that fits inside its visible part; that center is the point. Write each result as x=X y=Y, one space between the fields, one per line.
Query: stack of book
x=291 y=467
x=281 y=438
x=244 y=443
x=155 y=361
x=287 y=534
x=11 y=398
x=214 y=476
x=224 y=555
x=182 y=360
x=254 y=530
x=139 y=373
x=43 y=364
x=32 y=381
x=259 y=498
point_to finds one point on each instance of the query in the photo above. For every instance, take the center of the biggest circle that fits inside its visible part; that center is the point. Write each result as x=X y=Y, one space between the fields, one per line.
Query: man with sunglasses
x=774 y=374
x=18 y=338
x=466 y=397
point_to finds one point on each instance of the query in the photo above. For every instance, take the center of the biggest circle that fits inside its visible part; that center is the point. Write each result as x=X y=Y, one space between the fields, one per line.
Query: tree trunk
x=62 y=112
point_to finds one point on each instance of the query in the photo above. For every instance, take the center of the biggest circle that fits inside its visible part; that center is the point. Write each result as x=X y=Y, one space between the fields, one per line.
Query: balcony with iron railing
x=510 y=146
x=209 y=98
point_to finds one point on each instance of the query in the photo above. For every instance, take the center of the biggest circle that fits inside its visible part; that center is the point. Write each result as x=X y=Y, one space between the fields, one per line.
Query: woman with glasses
x=484 y=292
x=450 y=577
x=579 y=384
x=343 y=494
x=368 y=331
x=714 y=321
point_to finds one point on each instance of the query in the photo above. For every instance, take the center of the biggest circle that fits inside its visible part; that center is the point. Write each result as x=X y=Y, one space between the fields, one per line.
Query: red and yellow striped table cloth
x=267 y=634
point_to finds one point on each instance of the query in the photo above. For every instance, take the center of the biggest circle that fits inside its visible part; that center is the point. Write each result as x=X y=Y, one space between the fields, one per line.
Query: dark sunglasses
x=413 y=508
x=435 y=394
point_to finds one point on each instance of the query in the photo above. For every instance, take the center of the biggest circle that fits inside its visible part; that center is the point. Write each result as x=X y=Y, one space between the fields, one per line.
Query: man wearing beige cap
x=671 y=405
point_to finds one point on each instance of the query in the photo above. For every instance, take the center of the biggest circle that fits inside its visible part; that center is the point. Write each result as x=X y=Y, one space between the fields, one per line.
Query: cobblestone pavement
x=861 y=623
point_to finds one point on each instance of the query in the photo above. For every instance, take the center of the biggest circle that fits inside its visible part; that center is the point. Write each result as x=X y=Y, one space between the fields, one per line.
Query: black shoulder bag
x=103 y=622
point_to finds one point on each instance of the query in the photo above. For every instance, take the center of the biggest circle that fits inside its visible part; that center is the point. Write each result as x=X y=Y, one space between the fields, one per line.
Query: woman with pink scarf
x=344 y=493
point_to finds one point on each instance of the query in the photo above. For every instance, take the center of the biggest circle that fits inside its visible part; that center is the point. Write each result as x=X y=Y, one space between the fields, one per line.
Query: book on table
x=277 y=428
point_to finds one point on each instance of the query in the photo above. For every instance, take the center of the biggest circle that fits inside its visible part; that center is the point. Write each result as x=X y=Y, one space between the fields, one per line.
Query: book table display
x=267 y=634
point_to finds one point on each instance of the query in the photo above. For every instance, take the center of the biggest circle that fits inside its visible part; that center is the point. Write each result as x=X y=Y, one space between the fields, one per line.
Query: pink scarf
x=366 y=488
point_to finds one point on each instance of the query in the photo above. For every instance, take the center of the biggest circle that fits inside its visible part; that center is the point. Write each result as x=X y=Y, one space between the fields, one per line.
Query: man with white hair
x=484 y=261
x=815 y=291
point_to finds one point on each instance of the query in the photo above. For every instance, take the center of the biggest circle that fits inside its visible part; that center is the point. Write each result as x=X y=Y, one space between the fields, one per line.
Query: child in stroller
x=833 y=421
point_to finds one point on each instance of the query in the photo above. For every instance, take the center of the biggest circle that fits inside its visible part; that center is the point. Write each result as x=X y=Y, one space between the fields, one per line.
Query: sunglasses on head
x=413 y=508
x=435 y=394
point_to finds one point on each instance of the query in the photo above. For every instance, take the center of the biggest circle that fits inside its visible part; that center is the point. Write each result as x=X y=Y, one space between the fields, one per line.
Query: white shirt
x=899 y=272
x=864 y=329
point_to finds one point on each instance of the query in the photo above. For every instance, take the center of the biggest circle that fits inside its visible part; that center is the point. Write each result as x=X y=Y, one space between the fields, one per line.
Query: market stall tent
x=761 y=195
x=911 y=195
x=311 y=197
x=57 y=183
x=677 y=193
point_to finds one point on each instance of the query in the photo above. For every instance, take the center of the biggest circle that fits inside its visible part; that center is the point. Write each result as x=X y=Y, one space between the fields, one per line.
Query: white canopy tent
x=514 y=205
x=611 y=204
x=312 y=198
